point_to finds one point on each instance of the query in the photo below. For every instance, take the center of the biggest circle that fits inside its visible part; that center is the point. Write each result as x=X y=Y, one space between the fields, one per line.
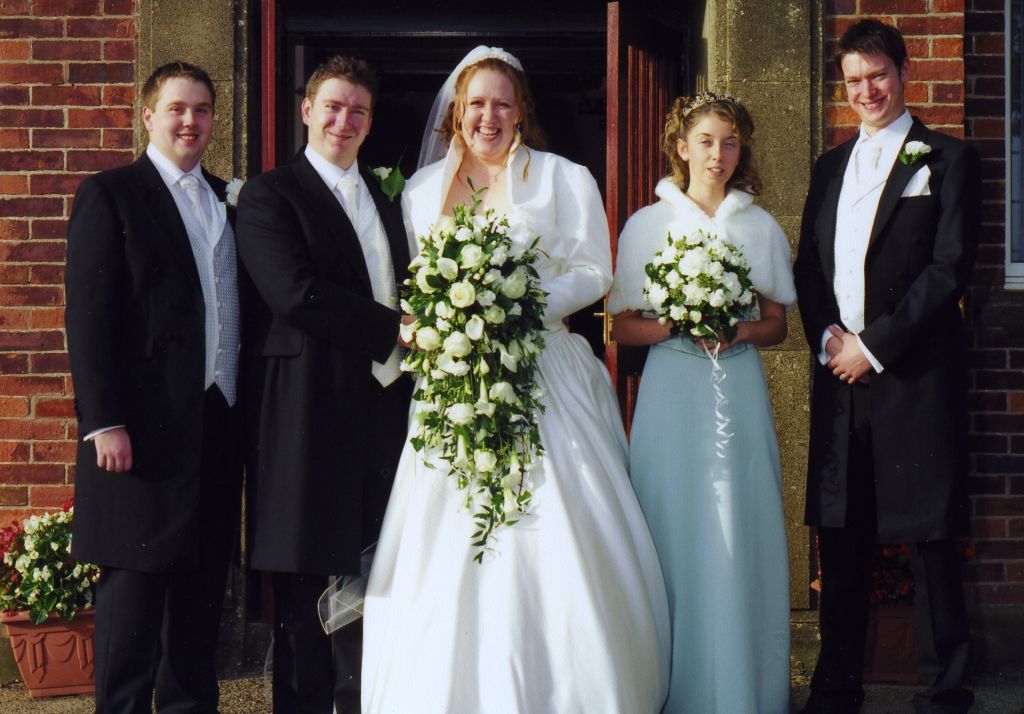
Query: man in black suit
x=325 y=249
x=886 y=247
x=153 y=335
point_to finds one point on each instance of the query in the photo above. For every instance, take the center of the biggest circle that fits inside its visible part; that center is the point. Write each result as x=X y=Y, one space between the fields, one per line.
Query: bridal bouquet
x=701 y=284
x=478 y=312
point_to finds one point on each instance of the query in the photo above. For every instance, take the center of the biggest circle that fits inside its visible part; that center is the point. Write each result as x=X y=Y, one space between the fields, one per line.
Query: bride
x=568 y=614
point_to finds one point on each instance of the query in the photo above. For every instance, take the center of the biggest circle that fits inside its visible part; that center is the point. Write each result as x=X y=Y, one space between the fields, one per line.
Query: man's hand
x=114 y=450
x=849 y=364
x=835 y=342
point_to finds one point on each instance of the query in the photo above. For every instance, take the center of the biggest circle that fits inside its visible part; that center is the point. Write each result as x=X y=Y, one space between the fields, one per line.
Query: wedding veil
x=434 y=146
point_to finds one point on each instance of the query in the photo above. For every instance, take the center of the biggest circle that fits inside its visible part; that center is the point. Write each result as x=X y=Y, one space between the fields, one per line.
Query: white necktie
x=190 y=185
x=348 y=188
x=866 y=161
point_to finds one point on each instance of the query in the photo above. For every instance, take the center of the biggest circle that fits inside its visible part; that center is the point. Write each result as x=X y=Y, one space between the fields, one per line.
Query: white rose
x=485 y=298
x=715 y=269
x=471 y=256
x=677 y=312
x=716 y=298
x=457 y=345
x=428 y=339
x=445 y=224
x=673 y=278
x=491 y=275
x=235 y=186
x=732 y=284
x=494 y=315
x=421 y=279
x=695 y=238
x=694 y=294
x=480 y=222
x=917 y=147
x=444 y=310
x=485 y=461
x=657 y=295
x=452 y=366
x=695 y=316
x=461 y=413
x=693 y=263
x=503 y=392
x=667 y=256
x=475 y=327
x=514 y=286
x=746 y=297
x=462 y=294
x=499 y=256
x=463 y=234
x=448 y=267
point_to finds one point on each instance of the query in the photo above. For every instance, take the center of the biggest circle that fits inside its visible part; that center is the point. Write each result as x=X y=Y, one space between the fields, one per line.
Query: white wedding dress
x=568 y=615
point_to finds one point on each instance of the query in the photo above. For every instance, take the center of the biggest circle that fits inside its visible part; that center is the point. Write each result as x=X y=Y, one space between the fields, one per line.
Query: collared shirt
x=868 y=170
x=373 y=241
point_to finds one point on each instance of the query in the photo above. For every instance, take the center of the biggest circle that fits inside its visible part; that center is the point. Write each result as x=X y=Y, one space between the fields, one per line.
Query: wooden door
x=645 y=72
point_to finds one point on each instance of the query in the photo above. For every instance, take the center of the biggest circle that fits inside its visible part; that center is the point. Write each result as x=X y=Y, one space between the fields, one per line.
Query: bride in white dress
x=568 y=613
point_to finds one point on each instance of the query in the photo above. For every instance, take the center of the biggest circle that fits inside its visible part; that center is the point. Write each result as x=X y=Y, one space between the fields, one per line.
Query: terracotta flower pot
x=55 y=657
x=890 y=654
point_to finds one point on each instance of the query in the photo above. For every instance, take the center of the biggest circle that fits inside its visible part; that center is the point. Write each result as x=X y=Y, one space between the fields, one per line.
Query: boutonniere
x=913 y=152
x=391 y=180
x=231 y=192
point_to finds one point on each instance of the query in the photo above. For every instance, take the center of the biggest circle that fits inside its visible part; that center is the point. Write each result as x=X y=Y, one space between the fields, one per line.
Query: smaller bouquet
x=37 y=572
x=701 y=284
x=479 y=315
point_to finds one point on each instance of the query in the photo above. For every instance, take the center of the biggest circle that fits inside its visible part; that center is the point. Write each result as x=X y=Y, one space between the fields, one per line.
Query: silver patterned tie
x=190 y=185
x=348 y=188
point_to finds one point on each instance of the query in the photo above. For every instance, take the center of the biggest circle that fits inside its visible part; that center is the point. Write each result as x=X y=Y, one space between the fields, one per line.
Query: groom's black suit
x=327 y=436
x=888 y=459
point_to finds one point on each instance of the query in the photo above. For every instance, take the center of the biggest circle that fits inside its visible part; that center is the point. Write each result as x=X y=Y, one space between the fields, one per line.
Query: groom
x=886 y=248
x=325 y=249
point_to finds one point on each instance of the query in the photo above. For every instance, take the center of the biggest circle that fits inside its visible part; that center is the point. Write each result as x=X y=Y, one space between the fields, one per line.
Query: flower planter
x=890 y=654
x=55 y=657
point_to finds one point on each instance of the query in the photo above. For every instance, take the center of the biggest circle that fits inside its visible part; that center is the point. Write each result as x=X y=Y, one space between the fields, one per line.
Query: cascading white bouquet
x=700 y=284
x=478 y=311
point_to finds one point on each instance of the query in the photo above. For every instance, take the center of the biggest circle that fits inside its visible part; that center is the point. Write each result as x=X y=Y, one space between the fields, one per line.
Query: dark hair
x=172 y=70
x=350 y=69
x=871 y=37
x=532 y=136
x=686 y=112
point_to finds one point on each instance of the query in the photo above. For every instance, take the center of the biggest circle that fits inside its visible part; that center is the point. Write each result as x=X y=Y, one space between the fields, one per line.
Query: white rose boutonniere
x=391 y=180
x=913 y=151
x=232 y=190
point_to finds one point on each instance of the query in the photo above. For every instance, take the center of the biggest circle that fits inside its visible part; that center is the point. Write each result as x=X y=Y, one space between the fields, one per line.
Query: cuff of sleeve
x=823 y=355
x=96 y=432
x=871 y=358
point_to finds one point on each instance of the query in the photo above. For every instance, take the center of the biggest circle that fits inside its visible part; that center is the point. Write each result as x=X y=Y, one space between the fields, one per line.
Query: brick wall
x=956 y=85
x=67 y=77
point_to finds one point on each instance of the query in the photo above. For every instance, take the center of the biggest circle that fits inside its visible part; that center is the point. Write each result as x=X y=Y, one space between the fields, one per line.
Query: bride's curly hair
x=529 y=129
x=686 y=112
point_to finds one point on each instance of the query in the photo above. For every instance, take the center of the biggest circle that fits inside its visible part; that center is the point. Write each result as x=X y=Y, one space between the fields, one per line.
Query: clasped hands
x=846 y=359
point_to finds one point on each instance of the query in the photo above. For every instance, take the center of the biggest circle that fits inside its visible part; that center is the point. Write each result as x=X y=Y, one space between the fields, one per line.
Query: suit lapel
x=158 y=201
x=898 y=179
x=332 y=218
x=830 y=207
x=391 y=218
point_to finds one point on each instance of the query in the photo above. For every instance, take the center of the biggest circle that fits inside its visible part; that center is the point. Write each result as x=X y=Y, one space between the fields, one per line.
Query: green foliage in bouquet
x=478 y=333
x=37 y=572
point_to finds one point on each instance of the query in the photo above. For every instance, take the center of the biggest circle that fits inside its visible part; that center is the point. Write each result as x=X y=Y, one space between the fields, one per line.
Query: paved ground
x=997 y=693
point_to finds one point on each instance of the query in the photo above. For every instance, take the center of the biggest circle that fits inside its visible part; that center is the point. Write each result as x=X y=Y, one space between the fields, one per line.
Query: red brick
x=988 y=128
x=837 y=135
x=13 y=363
x=13 y=496
x=54 y=408
x=119 y=50
x=841 y=7
x=947 y=47
x=51 y=496
x=29 y=295
x=30 y=429
x=31 y=117
x=97 y=160
x=66 y=138
x=49 y=362
x=1016 y=401
x=114 y=95
x=32 y=473
x=985 y=86
x=56 y=183
x=32 y=252
x=62 y=95
x=930 y=24
x=840 y=115
x=999 y=594
x=1015 y=571
x=947 y=5
x=14 y=7
x=53 y=452
x=13 y=184
x=31 y=341
x=892 y=7
x=31 y=206
x=15 y=50
x=986 y=485
x=999 y=506
x=13 y=96
x=118 y=139
x=31 y=73
x=988 y=528
x=13 y=229
x=999 y=379
x=60 y=8
x=31 y=160
x=14 y=451
x=836 y=26
x=24 y=28
x=50 y=274
x=102 y=73
x=975 y=22
x=118 y=7
x=120 y=118
x=933 y=69
x=101 y=28
x=987 y=65
x=951 y=93
x=14 y=138
x=940 y=115
x=916 y=93
x=49 y=228
x=77 y=50
x=991 y=44
x=14 y=319
x=12 y=407
x=917 y=46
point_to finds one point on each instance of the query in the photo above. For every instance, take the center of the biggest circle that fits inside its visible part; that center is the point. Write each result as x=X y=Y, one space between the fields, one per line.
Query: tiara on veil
x=434 y=146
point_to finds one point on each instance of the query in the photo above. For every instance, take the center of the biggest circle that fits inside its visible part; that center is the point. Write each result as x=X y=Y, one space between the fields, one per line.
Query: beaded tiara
x=699 y=100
